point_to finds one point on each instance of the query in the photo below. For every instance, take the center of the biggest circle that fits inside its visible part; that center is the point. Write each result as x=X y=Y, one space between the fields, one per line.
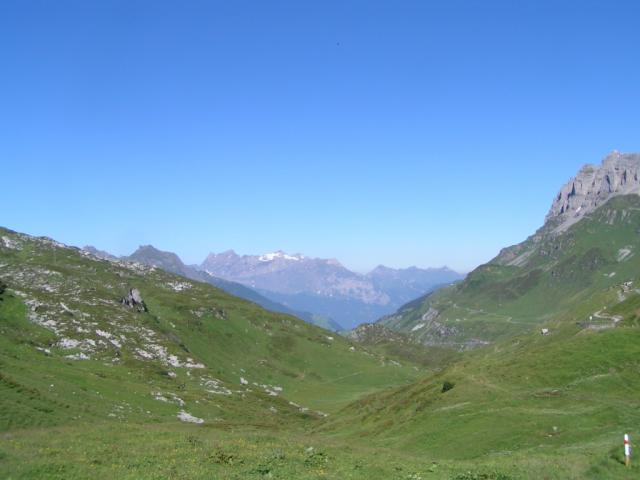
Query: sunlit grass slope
x=71 y=352
x=565 y=397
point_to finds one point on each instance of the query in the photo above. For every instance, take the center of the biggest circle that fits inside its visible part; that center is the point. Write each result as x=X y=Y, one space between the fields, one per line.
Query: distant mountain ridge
x=325 y=286
x=292 y=274
x=407 y=284
x=99 y=253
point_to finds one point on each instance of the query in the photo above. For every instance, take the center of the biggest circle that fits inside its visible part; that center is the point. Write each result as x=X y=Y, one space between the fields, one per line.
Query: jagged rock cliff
x=592 y=186
x=586 y=250
x=619 y=174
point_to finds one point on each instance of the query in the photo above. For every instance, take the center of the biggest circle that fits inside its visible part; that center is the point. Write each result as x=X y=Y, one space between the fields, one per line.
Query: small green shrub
x=447 y=385
x=222 y=458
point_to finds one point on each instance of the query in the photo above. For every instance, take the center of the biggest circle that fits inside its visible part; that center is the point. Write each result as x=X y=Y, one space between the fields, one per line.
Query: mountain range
x=325 y=287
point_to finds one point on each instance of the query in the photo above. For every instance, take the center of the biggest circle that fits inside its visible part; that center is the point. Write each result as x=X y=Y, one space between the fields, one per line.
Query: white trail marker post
x=627 y=450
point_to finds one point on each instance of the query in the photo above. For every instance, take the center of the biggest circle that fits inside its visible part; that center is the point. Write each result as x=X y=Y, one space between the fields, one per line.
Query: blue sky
x=400 y=132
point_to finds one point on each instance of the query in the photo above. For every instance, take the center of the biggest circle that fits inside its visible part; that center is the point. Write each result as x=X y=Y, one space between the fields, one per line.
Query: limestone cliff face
x=619 y=174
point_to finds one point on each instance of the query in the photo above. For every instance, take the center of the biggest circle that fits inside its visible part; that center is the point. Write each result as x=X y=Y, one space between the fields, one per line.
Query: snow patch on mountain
x=269 y=257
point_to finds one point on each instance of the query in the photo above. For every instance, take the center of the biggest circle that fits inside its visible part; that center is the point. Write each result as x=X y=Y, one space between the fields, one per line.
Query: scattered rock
x=134 y=300
x=187 y=417
x=10 y=243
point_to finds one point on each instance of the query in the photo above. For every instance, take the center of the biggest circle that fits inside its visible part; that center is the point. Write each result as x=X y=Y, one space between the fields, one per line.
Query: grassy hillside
x=401 y=346
x=526 y=403
x=548 y=276
x=71 y=352
x=190 y=382
x=557 y=404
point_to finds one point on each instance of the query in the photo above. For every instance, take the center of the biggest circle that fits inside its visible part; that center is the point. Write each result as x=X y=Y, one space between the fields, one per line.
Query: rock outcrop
x=619 y=174
x=134 y=300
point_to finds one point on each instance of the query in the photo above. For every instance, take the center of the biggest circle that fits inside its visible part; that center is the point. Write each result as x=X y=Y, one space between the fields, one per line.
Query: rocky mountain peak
x=150 y=255
x=619 y=174
x=334 y=262
x=148 y=248
x=226 y=255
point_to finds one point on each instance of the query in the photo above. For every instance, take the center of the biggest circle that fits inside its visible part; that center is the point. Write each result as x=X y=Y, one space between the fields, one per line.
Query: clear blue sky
x=399 y=132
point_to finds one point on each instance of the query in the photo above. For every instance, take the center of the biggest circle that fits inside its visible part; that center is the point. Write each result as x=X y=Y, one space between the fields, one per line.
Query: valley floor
x=179 y=451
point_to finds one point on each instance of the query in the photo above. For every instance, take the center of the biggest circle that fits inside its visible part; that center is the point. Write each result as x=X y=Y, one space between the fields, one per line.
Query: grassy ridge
x=572 y=393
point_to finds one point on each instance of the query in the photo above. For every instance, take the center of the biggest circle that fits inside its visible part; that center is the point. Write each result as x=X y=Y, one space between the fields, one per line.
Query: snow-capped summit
x=269 y=257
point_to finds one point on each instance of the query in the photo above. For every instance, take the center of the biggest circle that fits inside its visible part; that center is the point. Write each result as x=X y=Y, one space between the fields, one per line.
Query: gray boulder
x=134 y=300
